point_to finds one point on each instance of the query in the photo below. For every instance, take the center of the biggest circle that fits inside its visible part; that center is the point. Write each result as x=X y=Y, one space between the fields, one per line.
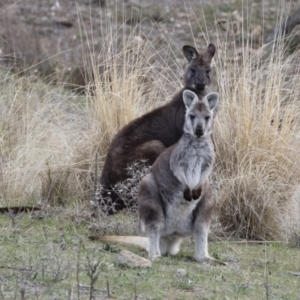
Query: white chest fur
x=193 y=170
x=192 y=161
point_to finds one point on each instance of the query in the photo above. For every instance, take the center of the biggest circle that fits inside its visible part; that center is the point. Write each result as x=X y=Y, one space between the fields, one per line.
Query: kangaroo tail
x=139 y=241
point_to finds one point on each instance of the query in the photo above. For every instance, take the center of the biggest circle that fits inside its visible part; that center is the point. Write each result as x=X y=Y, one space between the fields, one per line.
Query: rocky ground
x=56 y=38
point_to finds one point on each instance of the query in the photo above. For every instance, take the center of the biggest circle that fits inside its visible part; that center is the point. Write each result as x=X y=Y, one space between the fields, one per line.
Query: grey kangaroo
x=175 y=198
x=147 y=136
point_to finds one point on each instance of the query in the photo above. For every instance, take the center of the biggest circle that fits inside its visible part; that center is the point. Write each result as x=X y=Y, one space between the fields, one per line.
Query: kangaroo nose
x=200 y=86
x=199 y=131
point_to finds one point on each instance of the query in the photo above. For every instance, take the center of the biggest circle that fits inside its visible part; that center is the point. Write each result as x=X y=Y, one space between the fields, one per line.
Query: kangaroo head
x=199 y=114
x=198 y=73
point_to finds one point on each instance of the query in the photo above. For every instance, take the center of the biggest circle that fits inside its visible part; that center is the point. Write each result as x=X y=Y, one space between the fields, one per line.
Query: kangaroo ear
x=189 y=98
x=189 y=52
x=211 y=100
x=211 y=49
x=209 y=54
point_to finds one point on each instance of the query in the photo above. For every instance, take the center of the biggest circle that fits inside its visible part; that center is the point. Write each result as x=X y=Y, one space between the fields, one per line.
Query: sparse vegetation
x=58 y=109
x=35 y=259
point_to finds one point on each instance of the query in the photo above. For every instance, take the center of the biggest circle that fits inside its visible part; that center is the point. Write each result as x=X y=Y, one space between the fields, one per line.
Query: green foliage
x=50 y=261
x=110 y=248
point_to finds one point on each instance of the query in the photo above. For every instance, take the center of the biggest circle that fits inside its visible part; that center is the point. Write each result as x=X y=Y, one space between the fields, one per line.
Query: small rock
x=181 y=273
x=63 y=246
x=132 y=260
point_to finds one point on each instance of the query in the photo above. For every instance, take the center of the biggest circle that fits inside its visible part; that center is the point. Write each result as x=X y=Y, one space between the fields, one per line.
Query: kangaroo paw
x=197 y=193
x=187 y=194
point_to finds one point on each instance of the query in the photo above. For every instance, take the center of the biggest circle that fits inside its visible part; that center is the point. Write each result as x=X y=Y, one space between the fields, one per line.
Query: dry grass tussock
x=258 y=142
x=42 y=130
x=49 y=136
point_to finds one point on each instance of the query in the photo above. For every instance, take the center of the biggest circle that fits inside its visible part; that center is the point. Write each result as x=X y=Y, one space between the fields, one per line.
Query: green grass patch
x=52 y=258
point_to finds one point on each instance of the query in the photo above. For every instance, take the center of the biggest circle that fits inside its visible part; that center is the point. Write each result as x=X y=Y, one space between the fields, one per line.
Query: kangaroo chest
x=192 y=162
x=191 y=166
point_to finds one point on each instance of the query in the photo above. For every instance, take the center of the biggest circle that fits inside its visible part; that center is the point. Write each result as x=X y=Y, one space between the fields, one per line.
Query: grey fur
x=149 y=135
x=175 y=198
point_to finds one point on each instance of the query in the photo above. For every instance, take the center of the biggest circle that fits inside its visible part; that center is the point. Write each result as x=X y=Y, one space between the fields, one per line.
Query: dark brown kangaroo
x=147 y=136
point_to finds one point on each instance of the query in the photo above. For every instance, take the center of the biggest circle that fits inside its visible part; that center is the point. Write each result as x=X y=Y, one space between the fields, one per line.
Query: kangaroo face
x=198 y=72
x=199 y=115
x=198 y=120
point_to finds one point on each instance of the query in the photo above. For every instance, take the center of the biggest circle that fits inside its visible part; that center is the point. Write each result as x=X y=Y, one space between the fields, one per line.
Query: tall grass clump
x=258 y=142
x=41 y=129
x=49 y=135
x=129 y=85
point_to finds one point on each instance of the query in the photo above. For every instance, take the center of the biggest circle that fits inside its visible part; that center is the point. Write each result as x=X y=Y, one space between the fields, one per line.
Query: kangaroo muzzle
x=199 y=131
x=200 y=86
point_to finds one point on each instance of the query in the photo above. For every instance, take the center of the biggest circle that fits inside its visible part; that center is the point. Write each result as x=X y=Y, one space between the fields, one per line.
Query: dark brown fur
x=147 y=136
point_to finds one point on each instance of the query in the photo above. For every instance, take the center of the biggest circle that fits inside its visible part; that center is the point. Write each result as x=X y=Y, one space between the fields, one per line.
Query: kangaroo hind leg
x=151 y=213
x=154 y=241
x=201 y=244
x=150 y=150
x=202 y=223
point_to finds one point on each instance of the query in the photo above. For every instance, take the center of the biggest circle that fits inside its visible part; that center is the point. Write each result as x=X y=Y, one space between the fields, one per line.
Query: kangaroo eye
x=192 y=117
x=207 y=73
x=193 y=70
x=207 y=118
